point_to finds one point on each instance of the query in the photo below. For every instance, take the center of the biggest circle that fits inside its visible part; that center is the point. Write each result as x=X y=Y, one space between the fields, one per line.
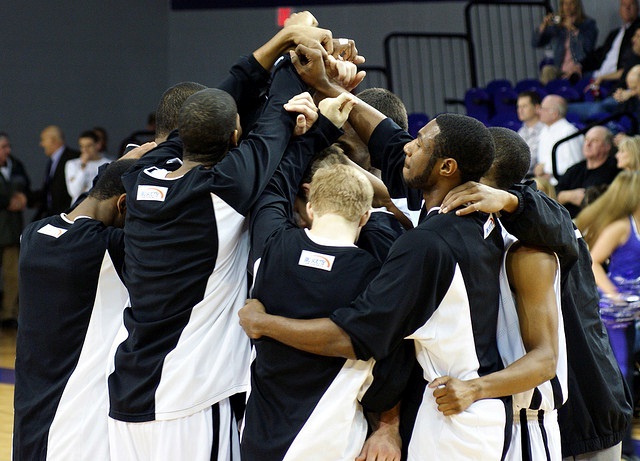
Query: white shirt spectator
x=531 y=136
x=569 y=153
x=79 y=179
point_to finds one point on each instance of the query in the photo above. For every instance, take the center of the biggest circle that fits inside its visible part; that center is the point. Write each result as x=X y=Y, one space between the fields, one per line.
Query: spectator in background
x=631 y=100
x=598 y=167
x=79 y=172
x=622 y=90
x=53 y=197
x=552 y=113
x=612 y=57
x=628 y=155
x=610 y=227
x=529 y=114
x=14 y=187
x=103 y=140
x=571 y=34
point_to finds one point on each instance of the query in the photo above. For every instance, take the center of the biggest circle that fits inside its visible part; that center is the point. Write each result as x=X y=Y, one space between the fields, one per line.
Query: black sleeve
x=541 y=221
x=390 y=308
x=386 y=147
x=274 y=207
x=390 y=378
x=247 y=83
x=241 y=176
x=379 y=233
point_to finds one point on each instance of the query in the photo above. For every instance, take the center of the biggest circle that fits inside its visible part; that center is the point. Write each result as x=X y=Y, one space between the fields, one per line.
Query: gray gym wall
x=81 y=64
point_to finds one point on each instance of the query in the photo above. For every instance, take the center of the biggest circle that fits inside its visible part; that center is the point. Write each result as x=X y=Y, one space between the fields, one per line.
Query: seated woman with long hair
x=610 y=227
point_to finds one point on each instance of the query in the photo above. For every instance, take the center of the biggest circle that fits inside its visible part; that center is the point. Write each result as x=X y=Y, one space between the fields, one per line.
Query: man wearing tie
x=53 y=198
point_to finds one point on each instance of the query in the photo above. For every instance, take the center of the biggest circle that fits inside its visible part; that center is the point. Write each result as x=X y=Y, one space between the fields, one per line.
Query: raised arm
x=242 y=175
x=249 y=77
x=273 y=210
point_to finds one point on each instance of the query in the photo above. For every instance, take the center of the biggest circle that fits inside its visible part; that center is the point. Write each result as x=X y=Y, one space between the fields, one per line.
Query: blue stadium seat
x=582 y=84
x=417 y=120
x=506 y=121
x=529 y=84
x=569 y=93
x=478 y=104
x=553 y=86
x=495 y=85
x=575 y=121
x=505 y=101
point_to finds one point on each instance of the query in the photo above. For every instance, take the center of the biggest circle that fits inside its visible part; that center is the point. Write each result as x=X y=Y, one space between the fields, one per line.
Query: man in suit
x=53 y=198
x=613 y=55
x=14 y=187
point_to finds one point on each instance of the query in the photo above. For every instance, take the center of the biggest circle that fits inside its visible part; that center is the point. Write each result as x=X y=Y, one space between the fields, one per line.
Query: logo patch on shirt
x=489 y=225
x=152 y=193
x=52 y=231
x=316 y=260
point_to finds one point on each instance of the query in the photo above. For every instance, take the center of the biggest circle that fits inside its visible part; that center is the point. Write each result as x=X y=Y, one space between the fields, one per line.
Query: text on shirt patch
x=489 y=225
x=52 y=231
x=153 y=193
x=316 y=260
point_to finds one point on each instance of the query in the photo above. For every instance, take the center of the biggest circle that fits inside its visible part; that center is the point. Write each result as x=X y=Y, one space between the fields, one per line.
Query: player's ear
x=306 y=187
x=448 y=166
x=310 y=212
x=121 y=204
x=364 y=218
x=233 y=141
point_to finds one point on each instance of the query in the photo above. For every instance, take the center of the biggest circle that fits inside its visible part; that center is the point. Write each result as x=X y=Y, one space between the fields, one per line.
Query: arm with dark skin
x=317 y=336
x=528 y=214
x=384 y=443
x=538 y=318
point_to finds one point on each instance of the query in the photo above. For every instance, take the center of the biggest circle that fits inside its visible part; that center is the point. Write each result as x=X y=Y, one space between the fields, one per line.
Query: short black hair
x=206 y=123
x=89 y=134
x=512 y=158
x=110 y=181
x=388 y=103
x=535 y=98
x=466 y=140
x=166 y=119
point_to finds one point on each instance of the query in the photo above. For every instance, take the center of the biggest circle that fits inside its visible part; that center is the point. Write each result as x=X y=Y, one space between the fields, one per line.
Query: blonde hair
x=580 y=16
x=621 y=199
x=341 y=190
x=631 y=144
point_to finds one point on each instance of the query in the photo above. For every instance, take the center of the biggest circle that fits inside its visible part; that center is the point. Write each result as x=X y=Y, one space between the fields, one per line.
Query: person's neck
x=95 y=209
x=597 y=162
x=436 y=194
x=334 y=227
x=187 y=165
x=636 y=217
x=531 y=123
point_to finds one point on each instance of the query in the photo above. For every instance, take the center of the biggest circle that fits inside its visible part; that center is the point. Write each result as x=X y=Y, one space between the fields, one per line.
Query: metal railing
x=376 y=78
x=426 y=70
x=431 y=72
x=501 y=33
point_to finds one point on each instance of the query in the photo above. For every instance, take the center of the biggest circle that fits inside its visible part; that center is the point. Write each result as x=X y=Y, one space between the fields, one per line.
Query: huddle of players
x=343 y=332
